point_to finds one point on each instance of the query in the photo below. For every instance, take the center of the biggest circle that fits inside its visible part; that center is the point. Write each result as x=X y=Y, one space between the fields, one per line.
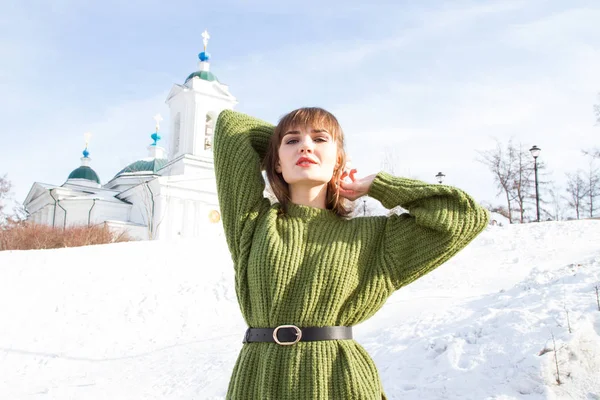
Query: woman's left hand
x=357 y=188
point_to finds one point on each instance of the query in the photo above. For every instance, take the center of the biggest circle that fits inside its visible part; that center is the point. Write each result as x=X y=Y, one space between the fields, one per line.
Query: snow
x=499 y=219
x=160 y=320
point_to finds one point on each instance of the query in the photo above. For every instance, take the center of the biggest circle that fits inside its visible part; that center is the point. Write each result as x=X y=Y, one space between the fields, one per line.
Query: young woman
x=304 y=273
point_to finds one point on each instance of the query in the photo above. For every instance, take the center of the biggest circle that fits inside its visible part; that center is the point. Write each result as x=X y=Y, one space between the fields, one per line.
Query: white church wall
x=77 y=211
x=41 y=207
x=41 y=215
x=141 y=198
x=141 y=210
x=35 y=206
x=38 y=216
x=184 y=218
x=133 y=231
x=188 y=124
x=86 y=212
x=104 y=211
x=163 y=204
x=189 y=213
x=46 y=215
x=173 y=168
x=175 y=134
x=174 y=216
x=181 y=117
x=59 y=215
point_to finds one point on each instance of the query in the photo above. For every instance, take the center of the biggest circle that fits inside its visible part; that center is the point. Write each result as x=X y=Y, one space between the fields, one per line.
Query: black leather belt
x=286 y=335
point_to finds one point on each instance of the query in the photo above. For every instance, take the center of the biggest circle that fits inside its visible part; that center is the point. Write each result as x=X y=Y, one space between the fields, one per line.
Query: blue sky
x=432 y=83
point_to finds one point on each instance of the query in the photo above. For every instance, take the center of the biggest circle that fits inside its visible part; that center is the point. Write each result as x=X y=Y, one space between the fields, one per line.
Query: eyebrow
x=313 y=131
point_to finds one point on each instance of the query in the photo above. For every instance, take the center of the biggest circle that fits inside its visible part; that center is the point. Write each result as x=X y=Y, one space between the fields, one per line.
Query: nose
x=307 y=145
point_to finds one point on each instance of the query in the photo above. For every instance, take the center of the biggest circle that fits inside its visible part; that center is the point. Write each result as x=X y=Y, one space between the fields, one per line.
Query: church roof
x=150 y=166
x=84 y=172
x=205 y=75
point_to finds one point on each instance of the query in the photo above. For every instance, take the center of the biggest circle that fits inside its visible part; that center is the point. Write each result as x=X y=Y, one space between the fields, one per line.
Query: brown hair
x=317 y=118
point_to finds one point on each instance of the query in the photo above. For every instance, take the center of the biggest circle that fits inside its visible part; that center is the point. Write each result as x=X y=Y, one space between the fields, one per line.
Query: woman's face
x=307 y=156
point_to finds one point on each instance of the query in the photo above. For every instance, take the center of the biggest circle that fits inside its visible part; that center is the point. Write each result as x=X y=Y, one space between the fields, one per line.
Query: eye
x=291 y=141
x=322 y=139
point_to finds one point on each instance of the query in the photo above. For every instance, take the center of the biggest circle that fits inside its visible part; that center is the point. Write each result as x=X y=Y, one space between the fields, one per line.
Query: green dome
x=206 y=75
x=84 y=172
x=151 y=166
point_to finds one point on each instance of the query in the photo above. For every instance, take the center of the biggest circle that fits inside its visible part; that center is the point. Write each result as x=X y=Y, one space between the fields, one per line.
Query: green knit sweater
x=309 y=267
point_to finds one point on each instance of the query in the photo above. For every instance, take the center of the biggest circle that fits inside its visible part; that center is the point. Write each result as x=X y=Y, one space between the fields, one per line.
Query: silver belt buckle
x=298 y=335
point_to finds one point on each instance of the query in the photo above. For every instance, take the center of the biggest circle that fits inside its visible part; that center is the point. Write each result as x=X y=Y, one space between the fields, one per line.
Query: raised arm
x=240 y=144
x=441 y=221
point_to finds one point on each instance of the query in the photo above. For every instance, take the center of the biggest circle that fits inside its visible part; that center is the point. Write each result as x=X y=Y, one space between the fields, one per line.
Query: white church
x=159 y=197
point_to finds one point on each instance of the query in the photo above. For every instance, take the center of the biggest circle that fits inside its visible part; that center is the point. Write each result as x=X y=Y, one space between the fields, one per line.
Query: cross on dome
x=158 y=118
x=205 y=37
x=86 y=136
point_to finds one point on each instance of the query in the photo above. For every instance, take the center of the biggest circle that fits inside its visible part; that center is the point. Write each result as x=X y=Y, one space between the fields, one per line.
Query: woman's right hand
x=357 y=187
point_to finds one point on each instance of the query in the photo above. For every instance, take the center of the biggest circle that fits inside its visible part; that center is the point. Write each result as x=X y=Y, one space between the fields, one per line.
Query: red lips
x=305 y=159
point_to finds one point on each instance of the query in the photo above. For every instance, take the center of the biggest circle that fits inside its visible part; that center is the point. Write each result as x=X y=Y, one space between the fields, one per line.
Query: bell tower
x=194 y=108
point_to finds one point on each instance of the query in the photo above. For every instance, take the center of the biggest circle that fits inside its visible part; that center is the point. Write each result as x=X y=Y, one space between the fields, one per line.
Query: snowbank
x=159 y=320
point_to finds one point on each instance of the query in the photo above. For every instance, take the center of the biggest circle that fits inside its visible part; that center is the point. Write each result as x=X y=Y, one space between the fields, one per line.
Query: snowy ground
x=160 y=320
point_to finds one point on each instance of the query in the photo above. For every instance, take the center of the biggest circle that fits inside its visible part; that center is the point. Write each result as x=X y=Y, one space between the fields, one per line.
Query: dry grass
x=28 y=236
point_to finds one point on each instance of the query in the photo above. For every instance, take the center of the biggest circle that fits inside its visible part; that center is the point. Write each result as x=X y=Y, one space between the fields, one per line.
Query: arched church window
x=176 y=133
x=208 y=135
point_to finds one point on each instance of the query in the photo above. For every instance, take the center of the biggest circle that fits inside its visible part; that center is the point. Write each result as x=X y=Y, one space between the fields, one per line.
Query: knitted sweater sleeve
x=441 y=221
x=240 y=144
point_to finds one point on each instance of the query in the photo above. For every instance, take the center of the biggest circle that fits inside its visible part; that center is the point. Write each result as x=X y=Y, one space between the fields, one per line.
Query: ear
x=278 y=167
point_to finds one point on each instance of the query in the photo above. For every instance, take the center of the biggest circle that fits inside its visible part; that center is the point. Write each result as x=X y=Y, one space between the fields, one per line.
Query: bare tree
x=151 y=215
x=594 y=153
x=592 y=181
x=9 y=216
x=513 y=170
x=389 y=162
x=556 y=210
x=522 y=180
x=576 y=192
x=597 y=110
x=500 y=162
x=5 y=187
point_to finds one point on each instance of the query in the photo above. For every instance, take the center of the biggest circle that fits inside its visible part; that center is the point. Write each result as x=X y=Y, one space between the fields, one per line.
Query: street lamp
x=440 y=177
x=535 y=152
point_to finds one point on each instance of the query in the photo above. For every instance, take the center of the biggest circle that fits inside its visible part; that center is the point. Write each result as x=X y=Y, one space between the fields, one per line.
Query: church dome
x=205 y=75
x=147 y=166
x=84 y=172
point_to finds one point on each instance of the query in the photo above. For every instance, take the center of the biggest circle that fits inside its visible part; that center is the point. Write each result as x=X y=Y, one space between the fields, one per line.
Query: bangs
x=315 y=117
